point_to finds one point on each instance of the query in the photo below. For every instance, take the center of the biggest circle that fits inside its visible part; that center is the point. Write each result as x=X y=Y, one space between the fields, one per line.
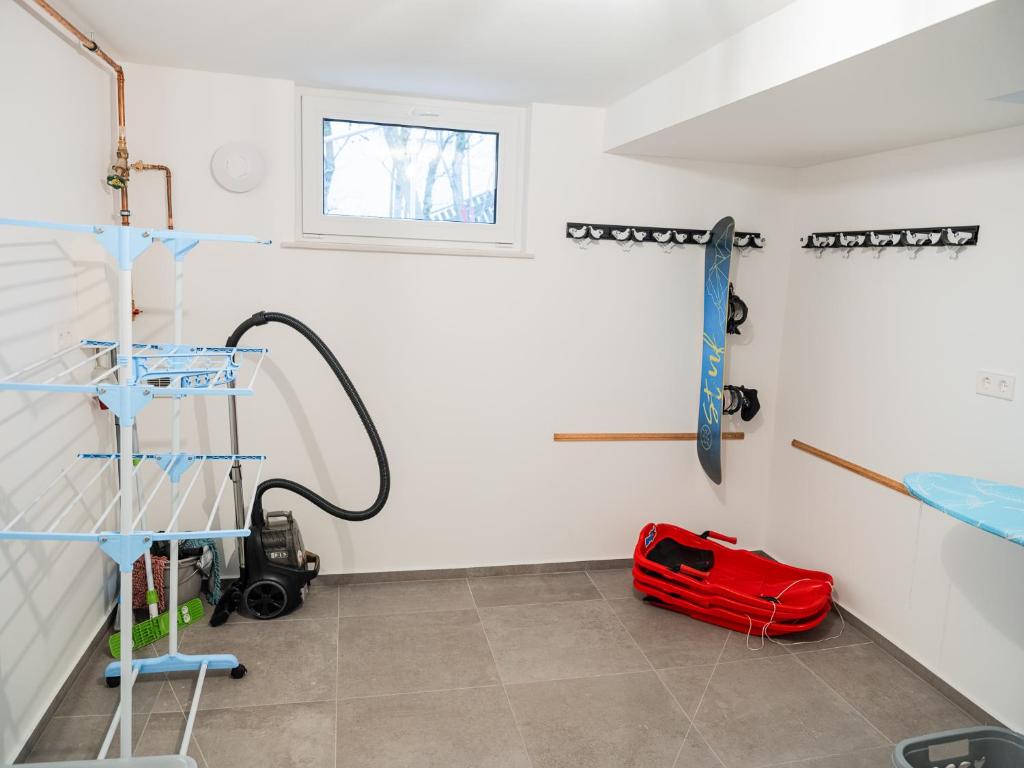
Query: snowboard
x=717 y=256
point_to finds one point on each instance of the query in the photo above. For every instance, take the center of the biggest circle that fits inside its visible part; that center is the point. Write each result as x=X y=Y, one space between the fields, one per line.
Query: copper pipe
x=120 y=167
x=138 y=165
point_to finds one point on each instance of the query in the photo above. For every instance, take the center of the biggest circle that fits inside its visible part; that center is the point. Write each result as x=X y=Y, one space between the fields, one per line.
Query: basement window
x=387 y=171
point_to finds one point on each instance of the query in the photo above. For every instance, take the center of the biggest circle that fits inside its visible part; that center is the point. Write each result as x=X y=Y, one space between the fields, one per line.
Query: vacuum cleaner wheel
x=265 y=599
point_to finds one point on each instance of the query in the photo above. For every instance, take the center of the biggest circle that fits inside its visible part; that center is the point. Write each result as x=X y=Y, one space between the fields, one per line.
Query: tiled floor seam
x=256 y=706
x=199 y=747
x=926 y=682
x=337 y=717
x=861 y=715
x=591 y=578
x=337 y=680
x=744 y=660
x=696 y=710
x=517 y=575
x=689 y=720
x=497 y=684
x=543 y=602
x=142 y=734
x=834 y=648
x=456 y=578
x=624 y=628
x=504 y=690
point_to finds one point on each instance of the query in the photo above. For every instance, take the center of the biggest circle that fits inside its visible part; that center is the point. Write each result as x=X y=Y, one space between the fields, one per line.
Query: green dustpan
x=149 y=631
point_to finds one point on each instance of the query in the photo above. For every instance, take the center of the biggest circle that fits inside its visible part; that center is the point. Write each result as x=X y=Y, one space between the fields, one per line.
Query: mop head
x=149 y=631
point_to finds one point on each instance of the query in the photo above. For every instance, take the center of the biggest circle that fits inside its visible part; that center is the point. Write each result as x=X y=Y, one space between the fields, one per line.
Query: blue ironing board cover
x=993 y=507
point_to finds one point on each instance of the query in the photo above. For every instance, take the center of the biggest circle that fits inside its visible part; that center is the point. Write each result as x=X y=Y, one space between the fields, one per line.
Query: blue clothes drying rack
x=141 y=374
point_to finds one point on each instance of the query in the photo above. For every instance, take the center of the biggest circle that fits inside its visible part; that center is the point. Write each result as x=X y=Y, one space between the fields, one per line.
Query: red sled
x=733 y=588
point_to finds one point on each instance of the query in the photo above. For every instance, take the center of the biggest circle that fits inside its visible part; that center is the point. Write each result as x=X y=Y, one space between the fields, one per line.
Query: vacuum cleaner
x=275 y=568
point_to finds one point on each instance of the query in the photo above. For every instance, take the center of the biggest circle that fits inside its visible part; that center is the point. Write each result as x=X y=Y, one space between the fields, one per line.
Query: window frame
x=508 y=122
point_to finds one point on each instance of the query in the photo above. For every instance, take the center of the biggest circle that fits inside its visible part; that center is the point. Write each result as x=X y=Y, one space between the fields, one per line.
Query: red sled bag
x=733 y=588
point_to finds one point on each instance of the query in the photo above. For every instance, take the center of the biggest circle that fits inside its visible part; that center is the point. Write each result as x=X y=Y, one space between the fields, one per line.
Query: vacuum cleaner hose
x=262 y=318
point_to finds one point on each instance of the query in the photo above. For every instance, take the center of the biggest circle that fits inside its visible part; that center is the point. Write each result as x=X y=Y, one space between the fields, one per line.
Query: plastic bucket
x=190 y=580
x=967 y=747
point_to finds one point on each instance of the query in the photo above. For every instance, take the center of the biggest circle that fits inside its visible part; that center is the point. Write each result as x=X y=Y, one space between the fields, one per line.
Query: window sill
x=436 y=250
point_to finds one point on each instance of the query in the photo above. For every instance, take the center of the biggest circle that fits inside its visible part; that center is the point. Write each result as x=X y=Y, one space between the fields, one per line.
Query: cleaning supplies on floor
x=191 y=580
x=733 y=588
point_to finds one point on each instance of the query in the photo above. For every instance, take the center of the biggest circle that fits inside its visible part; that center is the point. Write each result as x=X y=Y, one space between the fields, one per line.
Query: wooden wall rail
x=614 y=437
x=857 y=469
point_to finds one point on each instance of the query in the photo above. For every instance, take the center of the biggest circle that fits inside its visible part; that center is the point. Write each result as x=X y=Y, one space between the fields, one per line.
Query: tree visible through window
x=382 y=170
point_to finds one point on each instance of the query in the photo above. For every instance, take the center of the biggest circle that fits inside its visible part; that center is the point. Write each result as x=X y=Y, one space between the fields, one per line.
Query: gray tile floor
x=558 y=670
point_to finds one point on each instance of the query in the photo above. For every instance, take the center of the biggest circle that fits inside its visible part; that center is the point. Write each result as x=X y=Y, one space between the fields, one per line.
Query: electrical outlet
x=993 y=384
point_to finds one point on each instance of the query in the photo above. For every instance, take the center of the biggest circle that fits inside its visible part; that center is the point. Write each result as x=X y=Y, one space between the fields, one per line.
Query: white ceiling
x=943 y=81
x=587 y=52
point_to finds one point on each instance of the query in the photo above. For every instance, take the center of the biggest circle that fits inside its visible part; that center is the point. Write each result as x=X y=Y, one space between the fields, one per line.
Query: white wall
x=469 y=364
x=878 y=366
x=55 y=139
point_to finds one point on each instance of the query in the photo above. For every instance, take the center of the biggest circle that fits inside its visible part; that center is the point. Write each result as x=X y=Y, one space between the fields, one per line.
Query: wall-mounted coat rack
x=667 y=238
x=913 y=238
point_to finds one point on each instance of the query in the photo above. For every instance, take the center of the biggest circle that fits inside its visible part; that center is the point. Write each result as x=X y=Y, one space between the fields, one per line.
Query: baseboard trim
x=908 y=661
x=919 y=669
x=332 y=579
x=58 y=699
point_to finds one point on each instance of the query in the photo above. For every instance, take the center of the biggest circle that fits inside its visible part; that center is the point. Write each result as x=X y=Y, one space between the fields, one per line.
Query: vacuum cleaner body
x=279 y=568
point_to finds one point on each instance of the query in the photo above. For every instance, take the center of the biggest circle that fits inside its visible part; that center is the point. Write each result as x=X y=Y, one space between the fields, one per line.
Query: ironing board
x=994 y=507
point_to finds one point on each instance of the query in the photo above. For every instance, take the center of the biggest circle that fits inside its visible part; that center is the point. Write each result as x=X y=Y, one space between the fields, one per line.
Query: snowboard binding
x=737 y=313
x=742 y=400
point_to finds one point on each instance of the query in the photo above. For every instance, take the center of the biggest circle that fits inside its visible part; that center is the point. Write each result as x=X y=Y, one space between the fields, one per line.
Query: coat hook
x=680 y=237
x=596 y=233
x=640 y=235
x=741 y=241
x=850 y=242
x=622 y=235
x=915 y=241
x=579 y=236
x=958 y=238
x=759 y=241
x=958 y=241
x=879 y=241
x=702 y=238
x=664 y=239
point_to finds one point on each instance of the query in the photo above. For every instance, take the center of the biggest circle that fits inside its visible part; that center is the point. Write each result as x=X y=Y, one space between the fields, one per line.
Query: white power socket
x=993 y=384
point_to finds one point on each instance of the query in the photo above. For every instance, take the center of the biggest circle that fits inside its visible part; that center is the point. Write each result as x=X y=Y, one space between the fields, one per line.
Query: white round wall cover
x=237 y=166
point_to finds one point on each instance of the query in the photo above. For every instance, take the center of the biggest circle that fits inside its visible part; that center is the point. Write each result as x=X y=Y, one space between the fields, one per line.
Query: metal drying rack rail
x=137 y=374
